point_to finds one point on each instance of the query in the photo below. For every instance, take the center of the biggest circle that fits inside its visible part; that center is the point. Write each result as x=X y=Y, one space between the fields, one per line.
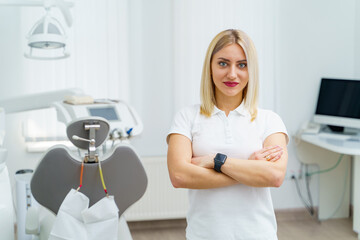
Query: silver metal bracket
x=92 y=131
x=91 y=156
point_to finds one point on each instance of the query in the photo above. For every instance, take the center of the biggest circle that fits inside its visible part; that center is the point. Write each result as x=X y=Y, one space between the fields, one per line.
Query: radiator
x=161 y=200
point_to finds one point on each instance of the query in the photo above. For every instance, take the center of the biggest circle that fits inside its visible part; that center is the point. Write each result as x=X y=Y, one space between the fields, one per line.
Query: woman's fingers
x=265 y=149
x=269 y=153
x=274 y=156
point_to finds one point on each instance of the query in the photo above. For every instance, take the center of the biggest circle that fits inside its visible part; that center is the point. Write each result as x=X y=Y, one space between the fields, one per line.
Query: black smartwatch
x=219 y=160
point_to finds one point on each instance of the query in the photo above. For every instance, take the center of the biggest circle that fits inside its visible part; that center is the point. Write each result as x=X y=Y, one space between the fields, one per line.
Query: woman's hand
x=271 y=154
x=206 y=161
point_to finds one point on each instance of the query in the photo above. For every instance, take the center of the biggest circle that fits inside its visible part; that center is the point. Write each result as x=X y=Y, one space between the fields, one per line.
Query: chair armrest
x=32 y=225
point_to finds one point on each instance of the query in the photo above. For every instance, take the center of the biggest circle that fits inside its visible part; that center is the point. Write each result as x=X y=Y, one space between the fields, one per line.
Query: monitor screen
x=108 y=113
x=339 y=98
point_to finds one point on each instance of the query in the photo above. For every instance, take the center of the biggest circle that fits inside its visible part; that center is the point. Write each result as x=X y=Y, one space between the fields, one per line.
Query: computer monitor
x=338 y=103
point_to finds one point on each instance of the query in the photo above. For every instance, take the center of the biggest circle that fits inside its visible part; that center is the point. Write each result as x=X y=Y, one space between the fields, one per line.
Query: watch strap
x=219 y=160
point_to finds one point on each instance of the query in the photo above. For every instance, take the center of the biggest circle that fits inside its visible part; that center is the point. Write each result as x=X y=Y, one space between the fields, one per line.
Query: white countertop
x=338 y=144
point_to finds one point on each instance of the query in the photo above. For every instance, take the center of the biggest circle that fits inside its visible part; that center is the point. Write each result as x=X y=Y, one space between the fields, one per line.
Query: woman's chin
x=232 y=94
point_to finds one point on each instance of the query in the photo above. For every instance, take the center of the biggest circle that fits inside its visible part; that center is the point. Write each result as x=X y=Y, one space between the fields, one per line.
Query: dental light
x=47 y=38
x=48 y=34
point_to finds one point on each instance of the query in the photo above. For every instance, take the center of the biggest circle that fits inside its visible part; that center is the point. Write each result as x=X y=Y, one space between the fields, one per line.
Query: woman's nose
x=232 y=73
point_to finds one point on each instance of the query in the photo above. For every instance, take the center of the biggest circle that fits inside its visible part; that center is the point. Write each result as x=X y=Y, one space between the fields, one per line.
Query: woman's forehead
x=232 y=51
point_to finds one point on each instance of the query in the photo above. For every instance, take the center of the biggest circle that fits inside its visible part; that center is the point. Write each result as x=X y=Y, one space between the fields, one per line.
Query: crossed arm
x=197 y=173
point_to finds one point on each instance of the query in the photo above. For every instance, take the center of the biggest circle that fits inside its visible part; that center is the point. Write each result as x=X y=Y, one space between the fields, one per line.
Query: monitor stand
x=340 y=132
x=336 y=129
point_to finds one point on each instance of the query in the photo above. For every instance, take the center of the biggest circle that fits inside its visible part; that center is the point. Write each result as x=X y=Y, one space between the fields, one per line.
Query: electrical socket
x=299 y=173
x=290 y=175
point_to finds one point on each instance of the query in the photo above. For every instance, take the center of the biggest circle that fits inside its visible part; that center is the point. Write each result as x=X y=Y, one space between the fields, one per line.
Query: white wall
x=357 y=46
x=357 y=41
x=98 y=64
x=151 y=54
x=311 y=39
x=315 y=39
x=196 y=23
x=307 y=40
x=9 y=52
x=12 y=83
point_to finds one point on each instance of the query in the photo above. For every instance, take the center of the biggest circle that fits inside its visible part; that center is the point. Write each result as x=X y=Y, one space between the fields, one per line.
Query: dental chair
x=59 y=171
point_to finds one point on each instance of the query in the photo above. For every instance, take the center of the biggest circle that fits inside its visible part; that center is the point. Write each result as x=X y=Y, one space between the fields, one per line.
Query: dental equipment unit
x=123 y=123
x=123 y=119
x=59 y=171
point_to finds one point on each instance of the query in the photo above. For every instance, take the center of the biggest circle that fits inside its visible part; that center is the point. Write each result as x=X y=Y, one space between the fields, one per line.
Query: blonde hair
x=250 y=92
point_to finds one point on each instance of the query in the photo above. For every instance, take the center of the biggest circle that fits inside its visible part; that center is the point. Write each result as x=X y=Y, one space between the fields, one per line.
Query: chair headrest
x=77 y=127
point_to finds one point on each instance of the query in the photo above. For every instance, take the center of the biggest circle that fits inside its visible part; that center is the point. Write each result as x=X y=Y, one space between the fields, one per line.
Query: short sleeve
x=274 y=124
x=182 y=123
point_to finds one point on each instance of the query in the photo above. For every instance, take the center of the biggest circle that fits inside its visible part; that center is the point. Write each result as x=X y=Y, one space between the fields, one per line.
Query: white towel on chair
x=76 y=221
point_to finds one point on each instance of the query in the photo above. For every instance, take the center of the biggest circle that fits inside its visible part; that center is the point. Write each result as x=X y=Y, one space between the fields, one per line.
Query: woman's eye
x=242 y=65
x=222 y=64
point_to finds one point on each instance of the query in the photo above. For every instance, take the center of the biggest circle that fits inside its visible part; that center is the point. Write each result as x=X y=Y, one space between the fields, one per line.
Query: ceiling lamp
x=47 y=39
x=48 y=36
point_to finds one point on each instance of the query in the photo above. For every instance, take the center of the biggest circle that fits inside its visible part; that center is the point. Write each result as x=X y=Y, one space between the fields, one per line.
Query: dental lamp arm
x=32 y=3
x=36 y=101
x=64 y=6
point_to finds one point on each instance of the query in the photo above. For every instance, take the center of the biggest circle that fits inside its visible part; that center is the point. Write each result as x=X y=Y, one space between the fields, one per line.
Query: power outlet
x=291 y=174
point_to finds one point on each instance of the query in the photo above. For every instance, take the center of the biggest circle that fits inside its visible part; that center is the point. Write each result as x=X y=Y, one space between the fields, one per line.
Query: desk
x=346 y=147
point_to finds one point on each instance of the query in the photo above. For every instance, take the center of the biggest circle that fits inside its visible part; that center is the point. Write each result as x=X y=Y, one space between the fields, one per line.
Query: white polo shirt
x=237 y=212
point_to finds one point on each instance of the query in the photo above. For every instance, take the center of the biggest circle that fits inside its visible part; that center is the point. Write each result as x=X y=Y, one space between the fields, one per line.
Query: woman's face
x=229 y=72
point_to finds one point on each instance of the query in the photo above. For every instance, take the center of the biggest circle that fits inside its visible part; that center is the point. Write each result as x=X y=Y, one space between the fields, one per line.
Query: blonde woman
x=227 y=151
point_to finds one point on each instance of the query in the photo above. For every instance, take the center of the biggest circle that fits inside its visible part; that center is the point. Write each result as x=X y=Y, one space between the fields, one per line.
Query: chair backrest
x=59 y=171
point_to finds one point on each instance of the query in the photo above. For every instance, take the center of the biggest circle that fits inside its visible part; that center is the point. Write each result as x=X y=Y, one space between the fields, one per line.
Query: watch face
x=219 y=160
x=220 y=157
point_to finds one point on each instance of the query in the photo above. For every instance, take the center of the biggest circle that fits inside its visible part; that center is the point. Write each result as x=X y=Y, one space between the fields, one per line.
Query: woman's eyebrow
x=224 y=59
x=227 y=60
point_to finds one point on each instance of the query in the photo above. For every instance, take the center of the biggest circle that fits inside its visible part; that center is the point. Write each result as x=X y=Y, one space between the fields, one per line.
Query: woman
x=226 y=150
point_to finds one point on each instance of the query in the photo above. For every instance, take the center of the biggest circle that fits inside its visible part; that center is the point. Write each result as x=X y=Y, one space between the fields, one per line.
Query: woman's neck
x=227 y=104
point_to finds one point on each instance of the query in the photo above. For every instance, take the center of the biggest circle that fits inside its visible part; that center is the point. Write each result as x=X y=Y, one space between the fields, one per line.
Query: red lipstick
x=231 y=84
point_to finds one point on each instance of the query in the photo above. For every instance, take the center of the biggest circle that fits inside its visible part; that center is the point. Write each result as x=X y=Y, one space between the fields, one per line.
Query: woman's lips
x=231 y=84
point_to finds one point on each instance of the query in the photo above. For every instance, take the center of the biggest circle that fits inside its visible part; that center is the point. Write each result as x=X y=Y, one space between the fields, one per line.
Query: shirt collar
x=215 y=110
x=240 y=110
